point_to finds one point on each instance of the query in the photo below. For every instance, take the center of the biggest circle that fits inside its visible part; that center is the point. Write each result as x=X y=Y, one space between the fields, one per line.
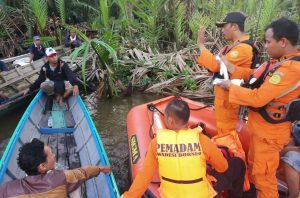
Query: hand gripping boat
x=145 y=119
x=72 y=136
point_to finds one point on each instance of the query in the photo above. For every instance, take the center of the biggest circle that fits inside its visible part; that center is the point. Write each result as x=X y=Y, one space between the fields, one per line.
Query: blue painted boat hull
x=89 y=146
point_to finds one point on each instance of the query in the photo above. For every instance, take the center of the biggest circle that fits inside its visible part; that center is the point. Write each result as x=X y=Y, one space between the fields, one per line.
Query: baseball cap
x=50 y=51
x=232 y=17
x=36 y=38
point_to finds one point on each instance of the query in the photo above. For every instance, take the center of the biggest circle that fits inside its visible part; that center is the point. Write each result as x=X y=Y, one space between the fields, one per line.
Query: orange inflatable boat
x=144 y=120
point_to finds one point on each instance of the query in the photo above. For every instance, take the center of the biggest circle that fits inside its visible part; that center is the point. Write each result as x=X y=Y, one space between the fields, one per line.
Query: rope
x=200 y=108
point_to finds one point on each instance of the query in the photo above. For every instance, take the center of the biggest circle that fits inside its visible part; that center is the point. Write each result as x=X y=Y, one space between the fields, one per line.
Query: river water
x=109 y=116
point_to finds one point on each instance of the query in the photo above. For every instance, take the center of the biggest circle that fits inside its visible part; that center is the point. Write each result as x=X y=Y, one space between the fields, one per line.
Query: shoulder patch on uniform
x=279 y=73
x=234 y=54
x=275 y=79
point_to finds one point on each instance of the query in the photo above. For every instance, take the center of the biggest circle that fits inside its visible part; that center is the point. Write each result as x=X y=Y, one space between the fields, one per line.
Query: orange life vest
x=232 y=142
x=290 y=111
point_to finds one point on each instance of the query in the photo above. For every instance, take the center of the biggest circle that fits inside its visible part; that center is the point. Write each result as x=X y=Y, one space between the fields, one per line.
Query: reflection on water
x=110 y=119
x=8 y=124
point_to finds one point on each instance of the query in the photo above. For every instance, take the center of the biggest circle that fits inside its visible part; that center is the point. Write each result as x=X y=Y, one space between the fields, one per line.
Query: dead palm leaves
x=172 y=73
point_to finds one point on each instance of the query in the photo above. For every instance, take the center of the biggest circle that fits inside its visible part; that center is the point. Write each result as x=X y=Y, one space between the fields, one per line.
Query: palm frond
x=124 y=6
x=111 y=37
x=40 y=10
x=267 y=15
x=125 y=18
x=98 y=46
x=7 y=16
x=85 y=58
x=87 y=7
x=104 y=10
x=77 y=52
x=251 y=7
x=60 y=5
x=198 y=19
x=180 y=23
x=149 y=12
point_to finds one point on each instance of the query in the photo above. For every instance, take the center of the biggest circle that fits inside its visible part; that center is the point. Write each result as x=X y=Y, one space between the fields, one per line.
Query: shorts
x=293 y=159
x=296 y=134
x=48 y=87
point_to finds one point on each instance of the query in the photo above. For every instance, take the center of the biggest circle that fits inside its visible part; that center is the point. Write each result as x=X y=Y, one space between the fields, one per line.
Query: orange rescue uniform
x=267 y=139
x=240 y=55
x=142 y=180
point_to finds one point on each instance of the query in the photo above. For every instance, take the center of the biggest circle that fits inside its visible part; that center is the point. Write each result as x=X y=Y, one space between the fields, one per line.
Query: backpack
x=255 y=58
x=255 y=52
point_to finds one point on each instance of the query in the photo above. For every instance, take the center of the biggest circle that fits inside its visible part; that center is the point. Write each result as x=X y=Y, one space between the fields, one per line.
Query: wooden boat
x=144 y=120
x=72 y=136
x=19 y=78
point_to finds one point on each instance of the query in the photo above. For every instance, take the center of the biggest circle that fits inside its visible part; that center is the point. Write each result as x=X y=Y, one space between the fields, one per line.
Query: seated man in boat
x=291 y=163
x=3 y=67
x=56 y=78
x=72 y=40
x=38 y=161
x=180 y=154
x=36 y=50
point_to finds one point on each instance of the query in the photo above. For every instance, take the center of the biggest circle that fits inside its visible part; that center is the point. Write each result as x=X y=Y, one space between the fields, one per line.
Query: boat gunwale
x=169 y=98
x=100 y=147
x=110 y=179
x=16 y=135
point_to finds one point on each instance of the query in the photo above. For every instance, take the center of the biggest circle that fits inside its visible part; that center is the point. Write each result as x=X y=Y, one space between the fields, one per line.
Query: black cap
x=232 y=17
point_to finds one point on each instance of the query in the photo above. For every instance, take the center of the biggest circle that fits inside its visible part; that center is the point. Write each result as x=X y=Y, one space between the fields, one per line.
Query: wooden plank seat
x=61 y=116
x=62 y=143
x=64 y=147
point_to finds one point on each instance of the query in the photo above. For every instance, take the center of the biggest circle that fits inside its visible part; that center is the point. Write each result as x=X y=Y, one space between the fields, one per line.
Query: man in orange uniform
x=239 y=54
x=180 y=154
x=278 y=88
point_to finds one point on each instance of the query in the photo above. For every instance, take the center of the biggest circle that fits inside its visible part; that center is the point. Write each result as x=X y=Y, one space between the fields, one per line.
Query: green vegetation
x=147 y=36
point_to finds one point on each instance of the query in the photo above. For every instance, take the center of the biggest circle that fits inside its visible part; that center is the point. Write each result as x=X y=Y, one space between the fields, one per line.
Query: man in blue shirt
x=37 y=50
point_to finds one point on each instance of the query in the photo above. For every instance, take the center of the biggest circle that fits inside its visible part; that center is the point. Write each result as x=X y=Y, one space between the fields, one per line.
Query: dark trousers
x=3 y=67
x=232 y=180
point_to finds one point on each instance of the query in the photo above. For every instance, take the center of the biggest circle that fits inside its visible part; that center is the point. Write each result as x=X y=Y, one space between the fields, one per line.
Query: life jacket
x=230 y=145
x=229 y=140
x=226 y=153
x=228 y=48
x=291 y=109
x=258 y=76
x=182 y=164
